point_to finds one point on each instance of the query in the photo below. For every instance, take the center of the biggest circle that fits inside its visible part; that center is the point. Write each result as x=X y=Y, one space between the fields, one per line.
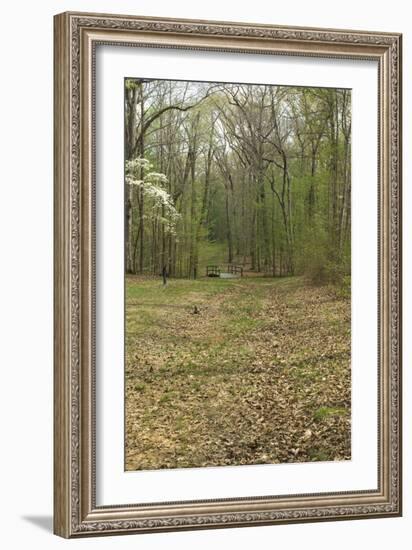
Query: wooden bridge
x=232 y=271
x=212 y=271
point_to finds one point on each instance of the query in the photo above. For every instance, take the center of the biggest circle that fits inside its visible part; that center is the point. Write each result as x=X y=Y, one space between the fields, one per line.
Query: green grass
x=325 y=412
x=177 y=291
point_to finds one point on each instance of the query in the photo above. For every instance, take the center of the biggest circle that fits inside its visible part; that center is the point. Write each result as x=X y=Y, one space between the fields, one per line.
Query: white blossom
x=152 y=186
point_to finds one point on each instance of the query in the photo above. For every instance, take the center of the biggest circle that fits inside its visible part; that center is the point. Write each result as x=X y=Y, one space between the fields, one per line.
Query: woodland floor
x=260 y=375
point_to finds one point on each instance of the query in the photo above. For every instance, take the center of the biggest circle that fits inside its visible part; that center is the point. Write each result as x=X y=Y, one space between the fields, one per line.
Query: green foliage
x=320 y=260
x=261 y=171
x=131 y=84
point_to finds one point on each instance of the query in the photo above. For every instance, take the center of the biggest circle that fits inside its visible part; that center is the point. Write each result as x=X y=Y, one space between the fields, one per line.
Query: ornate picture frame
x=76 y=511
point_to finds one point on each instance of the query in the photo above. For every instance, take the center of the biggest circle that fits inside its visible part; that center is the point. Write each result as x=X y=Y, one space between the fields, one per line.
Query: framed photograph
x=227 y=274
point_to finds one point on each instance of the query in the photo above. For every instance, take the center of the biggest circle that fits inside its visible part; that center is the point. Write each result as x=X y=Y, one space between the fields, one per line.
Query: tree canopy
x=261 y=172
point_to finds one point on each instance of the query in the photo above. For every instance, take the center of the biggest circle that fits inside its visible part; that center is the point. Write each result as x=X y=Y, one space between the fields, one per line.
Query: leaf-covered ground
x=260 y=375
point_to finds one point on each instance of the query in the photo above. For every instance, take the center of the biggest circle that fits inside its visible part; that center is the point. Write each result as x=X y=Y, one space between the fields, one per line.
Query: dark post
x=164 y=275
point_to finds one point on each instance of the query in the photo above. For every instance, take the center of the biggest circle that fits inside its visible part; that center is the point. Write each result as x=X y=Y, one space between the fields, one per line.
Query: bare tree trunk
x=205 y=199
x=273 y=237
x=253 y=241
x=141 y=197
x=193 y=244
x=264 y=222
x=228 y=230
x=129 y=229
x=131 y=99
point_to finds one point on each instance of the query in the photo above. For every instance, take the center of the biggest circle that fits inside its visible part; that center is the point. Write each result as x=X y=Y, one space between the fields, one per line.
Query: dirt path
x=260 y=375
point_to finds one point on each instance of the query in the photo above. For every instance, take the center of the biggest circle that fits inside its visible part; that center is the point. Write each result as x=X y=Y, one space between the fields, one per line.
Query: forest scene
x=237 y=274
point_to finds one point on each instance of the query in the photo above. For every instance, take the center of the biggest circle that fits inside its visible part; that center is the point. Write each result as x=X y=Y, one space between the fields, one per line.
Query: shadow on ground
x=43 y=522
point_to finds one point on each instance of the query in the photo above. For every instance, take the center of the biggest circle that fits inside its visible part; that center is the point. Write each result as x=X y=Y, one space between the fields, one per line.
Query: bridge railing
x=235 y=269
x=215 y=270
x=212 y=271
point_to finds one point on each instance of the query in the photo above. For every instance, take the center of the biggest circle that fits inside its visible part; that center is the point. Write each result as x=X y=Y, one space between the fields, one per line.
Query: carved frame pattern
x=76 y=35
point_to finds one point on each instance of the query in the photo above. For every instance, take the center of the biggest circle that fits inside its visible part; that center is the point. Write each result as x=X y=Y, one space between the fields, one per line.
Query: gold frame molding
x=75 y=38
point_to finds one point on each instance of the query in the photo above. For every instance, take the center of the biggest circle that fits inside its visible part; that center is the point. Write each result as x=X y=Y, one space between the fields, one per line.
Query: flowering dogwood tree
x=159 y=205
